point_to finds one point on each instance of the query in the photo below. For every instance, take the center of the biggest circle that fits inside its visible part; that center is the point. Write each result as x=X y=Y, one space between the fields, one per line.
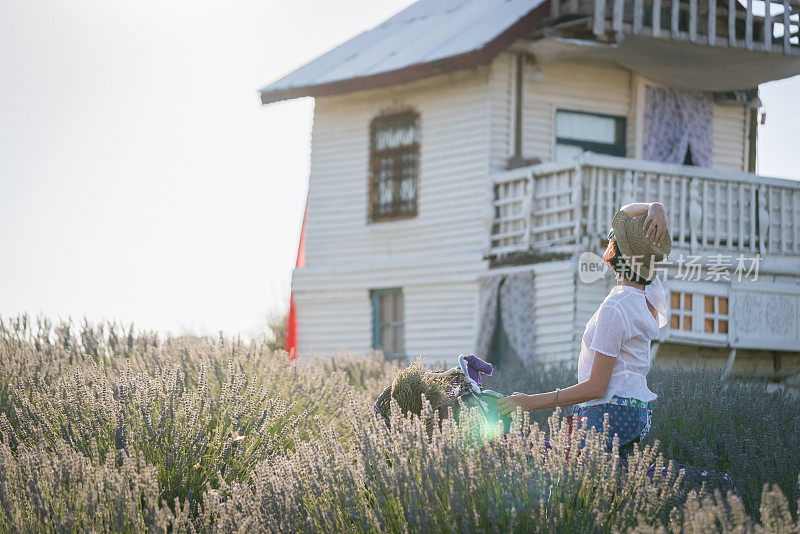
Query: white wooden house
x=463 y=144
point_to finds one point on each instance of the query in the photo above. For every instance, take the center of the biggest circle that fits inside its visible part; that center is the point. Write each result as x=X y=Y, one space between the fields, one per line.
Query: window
x=394 y=164
x=715 y=312
x=706 y=315
x=387 y=322
x=680 y=315
x=578 y=132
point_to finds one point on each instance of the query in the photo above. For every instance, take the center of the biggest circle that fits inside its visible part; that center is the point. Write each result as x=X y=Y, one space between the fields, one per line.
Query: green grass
x=103 y=428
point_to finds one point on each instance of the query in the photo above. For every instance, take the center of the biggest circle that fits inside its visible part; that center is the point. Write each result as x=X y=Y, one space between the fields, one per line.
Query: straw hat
x=638 y=251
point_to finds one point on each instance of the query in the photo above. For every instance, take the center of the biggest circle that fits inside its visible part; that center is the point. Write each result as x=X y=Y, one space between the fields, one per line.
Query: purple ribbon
x=477 y=367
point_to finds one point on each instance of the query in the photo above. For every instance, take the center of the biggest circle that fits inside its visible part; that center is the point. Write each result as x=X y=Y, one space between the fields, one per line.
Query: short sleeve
x=609 y=332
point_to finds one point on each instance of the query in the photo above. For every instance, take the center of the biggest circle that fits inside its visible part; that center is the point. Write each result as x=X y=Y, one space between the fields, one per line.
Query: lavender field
x=103 y=428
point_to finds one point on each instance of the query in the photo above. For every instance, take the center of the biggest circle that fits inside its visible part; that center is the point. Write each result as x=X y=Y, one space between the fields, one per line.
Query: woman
x=615 y=349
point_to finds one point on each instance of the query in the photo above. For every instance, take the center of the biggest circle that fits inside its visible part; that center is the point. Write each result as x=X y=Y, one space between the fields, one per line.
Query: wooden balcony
x=566 y=208
x=770 y=26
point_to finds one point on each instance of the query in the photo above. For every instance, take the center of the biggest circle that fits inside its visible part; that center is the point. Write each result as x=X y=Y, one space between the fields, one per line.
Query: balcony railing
x=770 y=25
x=557 y=207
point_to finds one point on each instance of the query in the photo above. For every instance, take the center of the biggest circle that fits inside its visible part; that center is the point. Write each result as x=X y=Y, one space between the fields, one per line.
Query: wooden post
x=784 y=222
x=712 y=22
x=591 y=223
x=600 y=215
x=729 y=236
x=702 y=198
x=763 y=221
x=741 y=216
x=656 y=18
x=767 y=25
x=786 y=27
x=795 y=229
x=682 y=201
x=610 y=209
x=638 y=10
x=676 y=6
x=599 y=22
x=695 y=213
x=577 y=189
x=748 y=26
x=693 y=20
x=527 y=209
x=753 y=210
x=488 y=216
x=732 y=23
x=717 y=207
x=618 y=11
x=626 y=191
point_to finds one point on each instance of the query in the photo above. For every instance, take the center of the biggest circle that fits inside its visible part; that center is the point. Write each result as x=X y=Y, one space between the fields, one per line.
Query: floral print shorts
x=628 y=418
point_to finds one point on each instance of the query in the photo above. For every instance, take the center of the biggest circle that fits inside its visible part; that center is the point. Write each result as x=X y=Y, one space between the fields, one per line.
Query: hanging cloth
x=517 y=314
x=291 y=320
x=487 y=314
x=676 y=122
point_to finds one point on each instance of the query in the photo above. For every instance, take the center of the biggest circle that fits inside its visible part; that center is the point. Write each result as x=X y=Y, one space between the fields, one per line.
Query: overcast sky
x=141 y=179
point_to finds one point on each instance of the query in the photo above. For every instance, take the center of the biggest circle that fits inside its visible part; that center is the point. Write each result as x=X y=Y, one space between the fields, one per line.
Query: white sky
x=141 y=179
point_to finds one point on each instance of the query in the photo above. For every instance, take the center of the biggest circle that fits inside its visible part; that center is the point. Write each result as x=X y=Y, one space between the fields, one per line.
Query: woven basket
x=457 y=385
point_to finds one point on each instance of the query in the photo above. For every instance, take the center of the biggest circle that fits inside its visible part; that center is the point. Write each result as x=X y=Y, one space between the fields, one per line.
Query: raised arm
x=655 y=224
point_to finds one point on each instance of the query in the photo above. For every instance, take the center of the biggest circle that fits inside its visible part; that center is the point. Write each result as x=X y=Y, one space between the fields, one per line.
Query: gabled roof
x=428 y=38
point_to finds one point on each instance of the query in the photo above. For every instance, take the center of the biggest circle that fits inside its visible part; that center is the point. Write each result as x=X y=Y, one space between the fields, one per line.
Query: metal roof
x=429 y=37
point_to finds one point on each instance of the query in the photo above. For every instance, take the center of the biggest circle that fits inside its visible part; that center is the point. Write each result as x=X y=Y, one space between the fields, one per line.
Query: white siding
x=554 y=294
x=501 y=110
x=730 y=138
x=435 y=257
x=467 y=125
x=571 y=86
x=588 y=298
x=564 y=85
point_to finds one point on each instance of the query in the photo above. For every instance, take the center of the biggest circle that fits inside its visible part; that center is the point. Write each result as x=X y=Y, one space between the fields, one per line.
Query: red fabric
x=291 y=320
x=291 y=330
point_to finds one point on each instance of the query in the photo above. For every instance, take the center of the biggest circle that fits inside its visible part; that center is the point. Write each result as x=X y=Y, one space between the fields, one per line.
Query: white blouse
x=622 y=327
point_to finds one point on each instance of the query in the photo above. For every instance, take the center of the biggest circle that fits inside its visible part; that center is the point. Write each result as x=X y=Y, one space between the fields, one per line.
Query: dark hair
x=613 y=257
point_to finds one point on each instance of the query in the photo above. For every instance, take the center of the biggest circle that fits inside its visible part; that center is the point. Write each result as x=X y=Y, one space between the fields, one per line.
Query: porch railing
x=770 y=25
x=557 y=206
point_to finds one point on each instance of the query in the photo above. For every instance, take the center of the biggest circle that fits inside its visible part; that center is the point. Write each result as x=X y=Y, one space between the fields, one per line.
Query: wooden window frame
x=399 y=209
x=619 y=148
x=715 y=315
x=377 y=325
x=699 y=315
x=681 y=312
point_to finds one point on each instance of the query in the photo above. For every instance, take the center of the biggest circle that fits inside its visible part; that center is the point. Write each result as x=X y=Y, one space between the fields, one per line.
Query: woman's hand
x=657 y=221
x=507 y=405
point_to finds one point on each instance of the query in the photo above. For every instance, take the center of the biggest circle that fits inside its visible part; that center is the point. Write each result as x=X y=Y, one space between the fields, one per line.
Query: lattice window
x=387 y=322
x=699 y=314
x=394 y=166
x=680 y=315
x=715 y=315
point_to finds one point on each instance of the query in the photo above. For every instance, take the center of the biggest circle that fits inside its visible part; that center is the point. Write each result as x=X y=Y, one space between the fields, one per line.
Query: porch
x=770 y=26
x=562 y=210
x=565 y=208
